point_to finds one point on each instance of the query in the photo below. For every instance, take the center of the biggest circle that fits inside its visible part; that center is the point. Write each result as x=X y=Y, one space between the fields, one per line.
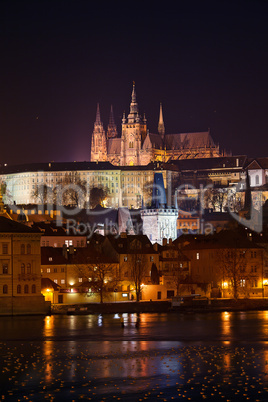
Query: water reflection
x=224 y=355
x=226 y=325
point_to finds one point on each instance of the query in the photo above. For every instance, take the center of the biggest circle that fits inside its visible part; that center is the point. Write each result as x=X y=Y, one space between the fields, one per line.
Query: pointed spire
x=111 y=130
x=111 y=117
x=133 y=96
x=161 y=126
x=133 y=116
x=98 y=120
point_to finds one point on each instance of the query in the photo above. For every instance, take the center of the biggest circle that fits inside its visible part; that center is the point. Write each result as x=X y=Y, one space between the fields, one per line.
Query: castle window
x=29 y=249
x=33 y=289
x=28 y=268
x=4 y=248
x=22 y=268
x=18 y=289
x=5 y=268
x=22 y=249
x=5 y=289
x=26 y=289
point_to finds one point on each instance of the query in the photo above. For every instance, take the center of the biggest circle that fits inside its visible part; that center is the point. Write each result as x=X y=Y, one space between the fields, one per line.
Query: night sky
x=207 y=62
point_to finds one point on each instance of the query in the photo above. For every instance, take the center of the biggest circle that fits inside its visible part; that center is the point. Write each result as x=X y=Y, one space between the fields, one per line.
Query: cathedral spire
x=111 y=130
x=133 y=96
x=161 y=126
x=98 y=140
x=133 y=116
x=98 y=120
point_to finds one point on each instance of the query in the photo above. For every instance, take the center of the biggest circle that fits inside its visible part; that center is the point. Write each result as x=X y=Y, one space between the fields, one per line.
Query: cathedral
x=137 y=146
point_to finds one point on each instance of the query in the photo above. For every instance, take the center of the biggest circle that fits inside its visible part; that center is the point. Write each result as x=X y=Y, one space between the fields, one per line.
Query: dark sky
x=207 y=62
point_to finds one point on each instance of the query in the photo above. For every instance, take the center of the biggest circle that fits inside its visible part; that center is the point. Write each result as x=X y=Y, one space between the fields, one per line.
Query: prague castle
x=137 y=146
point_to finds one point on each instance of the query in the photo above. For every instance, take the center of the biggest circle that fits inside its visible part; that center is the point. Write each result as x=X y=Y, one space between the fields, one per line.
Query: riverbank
x=161 y=306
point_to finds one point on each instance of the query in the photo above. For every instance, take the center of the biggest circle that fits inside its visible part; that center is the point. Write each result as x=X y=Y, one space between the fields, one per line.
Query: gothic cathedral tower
x=134 y=131
x=98 y=142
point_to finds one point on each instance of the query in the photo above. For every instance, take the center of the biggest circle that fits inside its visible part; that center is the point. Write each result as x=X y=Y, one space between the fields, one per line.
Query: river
x=165 y=357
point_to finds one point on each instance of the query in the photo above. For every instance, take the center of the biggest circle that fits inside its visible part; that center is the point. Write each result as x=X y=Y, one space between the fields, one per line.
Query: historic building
x=137 y=146
x=20 y=270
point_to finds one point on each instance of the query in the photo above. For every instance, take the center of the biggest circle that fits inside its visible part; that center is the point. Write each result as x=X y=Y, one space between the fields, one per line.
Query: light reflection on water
x=167 y=356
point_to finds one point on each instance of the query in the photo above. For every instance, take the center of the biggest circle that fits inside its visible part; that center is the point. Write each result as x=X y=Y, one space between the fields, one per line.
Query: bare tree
x=97 y=195
x=232 y=263
x=147 y=191
x=100 y=276
x=5 y=193
x=73 y=190
x=43 y=194
x=138 y=271
x=215 y=198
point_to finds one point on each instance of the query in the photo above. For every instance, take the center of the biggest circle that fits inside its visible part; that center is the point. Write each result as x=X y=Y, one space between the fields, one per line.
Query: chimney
x=170 y=241
x=164 y=241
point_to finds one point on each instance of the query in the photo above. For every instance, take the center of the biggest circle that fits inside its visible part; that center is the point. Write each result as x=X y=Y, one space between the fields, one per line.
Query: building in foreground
x=20 y=270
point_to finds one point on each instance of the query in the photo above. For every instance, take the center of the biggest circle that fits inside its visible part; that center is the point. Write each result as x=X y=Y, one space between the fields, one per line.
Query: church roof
x=155 y=139
x=189 y=140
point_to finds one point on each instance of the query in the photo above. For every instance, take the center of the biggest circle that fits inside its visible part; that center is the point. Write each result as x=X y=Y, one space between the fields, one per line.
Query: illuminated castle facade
x=137 y=146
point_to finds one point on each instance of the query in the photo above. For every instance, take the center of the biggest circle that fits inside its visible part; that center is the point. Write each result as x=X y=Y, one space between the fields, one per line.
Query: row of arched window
x=19 y=289
x=26 y=289
x=26 y=270
x=25 y=250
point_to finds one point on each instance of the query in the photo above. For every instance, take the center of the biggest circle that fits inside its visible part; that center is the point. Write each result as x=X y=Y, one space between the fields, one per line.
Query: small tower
x=161 y=126
x=159 y=221
x=111 y=129
x=98 y=141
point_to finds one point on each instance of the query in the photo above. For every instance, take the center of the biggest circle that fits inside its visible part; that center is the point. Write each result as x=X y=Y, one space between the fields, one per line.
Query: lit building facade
x=20 y=270
x=137 y=146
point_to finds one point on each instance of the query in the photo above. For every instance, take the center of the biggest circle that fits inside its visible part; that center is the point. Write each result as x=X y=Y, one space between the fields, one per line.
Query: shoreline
x=195 y=306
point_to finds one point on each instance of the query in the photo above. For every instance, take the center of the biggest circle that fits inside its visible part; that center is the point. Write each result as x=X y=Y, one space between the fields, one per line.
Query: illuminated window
x=62 y=281
x=48 y=270
x=5 y=269
x=80 y=279
x=197 y=256
x=56 y=280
